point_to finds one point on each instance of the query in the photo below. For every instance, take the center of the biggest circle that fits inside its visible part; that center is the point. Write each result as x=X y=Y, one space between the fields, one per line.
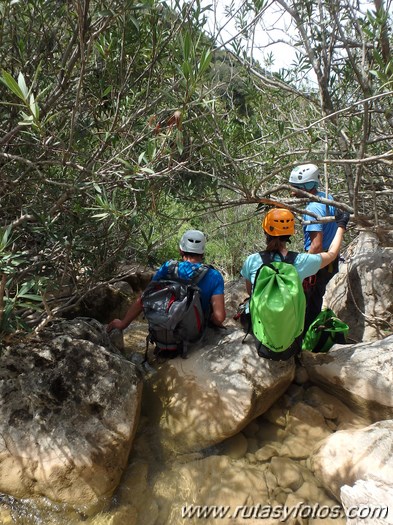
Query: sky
x=265 y=42
x=273 y=33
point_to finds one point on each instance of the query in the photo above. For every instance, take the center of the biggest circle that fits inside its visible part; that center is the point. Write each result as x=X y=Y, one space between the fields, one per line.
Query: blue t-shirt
x=328 y=229
x=306 y=264
x=211 y=284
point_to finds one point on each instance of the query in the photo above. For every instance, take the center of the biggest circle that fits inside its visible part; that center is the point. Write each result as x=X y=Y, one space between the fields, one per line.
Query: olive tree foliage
x=332 y=106
x=95 y=96
x=123 y=122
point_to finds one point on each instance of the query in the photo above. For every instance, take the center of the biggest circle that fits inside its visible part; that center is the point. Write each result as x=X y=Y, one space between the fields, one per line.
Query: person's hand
x=342 y=218
x=116 y=323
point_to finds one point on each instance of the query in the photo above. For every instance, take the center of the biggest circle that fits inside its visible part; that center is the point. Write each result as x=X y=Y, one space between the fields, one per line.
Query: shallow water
x=267 y=464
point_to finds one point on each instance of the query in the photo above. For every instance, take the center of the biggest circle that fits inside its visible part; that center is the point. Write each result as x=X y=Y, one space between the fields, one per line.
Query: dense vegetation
x=124 y=122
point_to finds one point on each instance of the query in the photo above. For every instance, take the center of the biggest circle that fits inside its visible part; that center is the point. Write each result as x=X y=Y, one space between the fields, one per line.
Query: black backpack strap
x=290 y=257
x=268 y=257
x=248 y=331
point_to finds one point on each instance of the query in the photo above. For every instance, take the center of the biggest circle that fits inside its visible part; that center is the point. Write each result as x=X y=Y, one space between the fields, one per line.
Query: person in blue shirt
x=317 y=237
x=192 y=249
x=278 y=225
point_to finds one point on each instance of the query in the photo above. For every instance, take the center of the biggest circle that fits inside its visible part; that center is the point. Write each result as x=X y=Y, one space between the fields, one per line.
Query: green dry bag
x=278 y=303
x=325 y=331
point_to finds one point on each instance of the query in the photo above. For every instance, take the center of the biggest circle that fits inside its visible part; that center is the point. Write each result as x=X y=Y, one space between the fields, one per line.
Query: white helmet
x=306 y=175
x=193 y=241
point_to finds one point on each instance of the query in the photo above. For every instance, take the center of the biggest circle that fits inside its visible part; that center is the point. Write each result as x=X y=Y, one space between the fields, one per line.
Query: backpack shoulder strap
x=290 y=257
x=173 y=269
x=199 y=273
x=267 y=257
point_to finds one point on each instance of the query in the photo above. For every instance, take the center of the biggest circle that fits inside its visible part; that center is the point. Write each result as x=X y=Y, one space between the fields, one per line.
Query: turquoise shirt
x=306 y=264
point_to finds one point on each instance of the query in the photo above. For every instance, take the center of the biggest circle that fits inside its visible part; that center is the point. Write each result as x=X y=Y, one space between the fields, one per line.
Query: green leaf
x=30 y=297
x=187 y=46
x=179 y=141
x=12 y=85
x=100 y=216
x=28 y=120
x=35 y=110
x=125 y=163
x=141 y=158
x=107 y=91
x=186 y=68
x=105 y=13
x=135 y=23
x=5 y=237
x=22 y=85
x=205 y=61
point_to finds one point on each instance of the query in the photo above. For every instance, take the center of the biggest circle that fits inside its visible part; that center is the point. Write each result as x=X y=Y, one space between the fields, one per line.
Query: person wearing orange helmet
x=278 y=225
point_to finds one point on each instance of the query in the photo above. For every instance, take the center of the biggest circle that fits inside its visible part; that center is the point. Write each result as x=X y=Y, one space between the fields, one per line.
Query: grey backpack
x=173 y=309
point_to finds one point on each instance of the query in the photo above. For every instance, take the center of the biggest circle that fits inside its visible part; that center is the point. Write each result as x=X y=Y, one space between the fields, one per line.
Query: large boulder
x=361 y=294
x=217 y=391
x=107 y=301
x=361 y=375
x=351 y=455
x=69 y=407
x=368 y=503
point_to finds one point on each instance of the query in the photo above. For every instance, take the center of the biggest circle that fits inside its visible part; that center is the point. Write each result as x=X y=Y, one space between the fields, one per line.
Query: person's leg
x=315 y=292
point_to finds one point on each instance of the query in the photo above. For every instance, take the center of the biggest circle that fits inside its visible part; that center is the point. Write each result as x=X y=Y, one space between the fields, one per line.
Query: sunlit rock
x=365 y=495
x=361 y=293
x=68 y=413
x=350 y=455
x=361 y=375
x=287 y=472
x=216 y=392
x=344 y=418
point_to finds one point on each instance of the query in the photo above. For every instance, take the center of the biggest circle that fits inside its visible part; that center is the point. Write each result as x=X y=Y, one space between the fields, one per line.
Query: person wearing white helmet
x=317 y=237
x=193 y=241
x=192 y=248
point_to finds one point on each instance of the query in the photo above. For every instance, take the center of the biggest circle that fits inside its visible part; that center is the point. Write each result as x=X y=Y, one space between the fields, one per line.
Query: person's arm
x=132 y=313
x=316 y=245
x=248 y=287
x=342 y=219
x=334 y=248
x=218 y=309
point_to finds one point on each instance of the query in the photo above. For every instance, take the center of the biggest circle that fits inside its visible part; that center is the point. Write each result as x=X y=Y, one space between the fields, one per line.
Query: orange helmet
x=279 y=221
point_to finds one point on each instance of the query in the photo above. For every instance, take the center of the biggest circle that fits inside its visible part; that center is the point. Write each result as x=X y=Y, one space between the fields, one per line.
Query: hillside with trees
x=124 y=122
